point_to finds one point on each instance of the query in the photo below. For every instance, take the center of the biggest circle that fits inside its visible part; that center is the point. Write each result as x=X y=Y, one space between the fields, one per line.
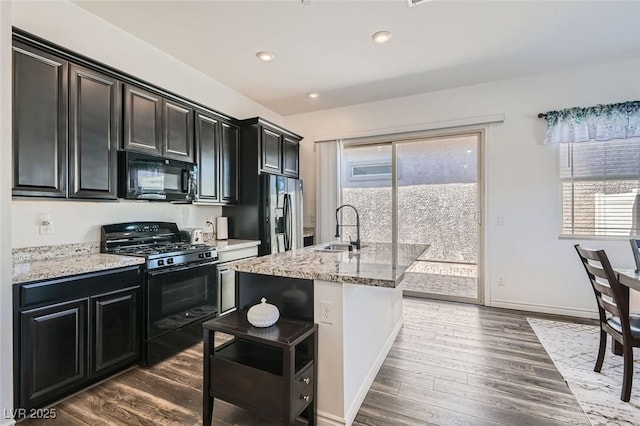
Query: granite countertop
x=373 y=265
x=56 y=261
x=37 y=270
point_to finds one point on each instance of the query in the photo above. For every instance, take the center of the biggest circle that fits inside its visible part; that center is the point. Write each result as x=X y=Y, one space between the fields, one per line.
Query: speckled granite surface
x=28 y=254
x=373 y=266
x=308 y=231
x=48 y=262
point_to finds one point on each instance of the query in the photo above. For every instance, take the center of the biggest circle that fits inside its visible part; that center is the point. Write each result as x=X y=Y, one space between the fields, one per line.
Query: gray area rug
x=573 y=349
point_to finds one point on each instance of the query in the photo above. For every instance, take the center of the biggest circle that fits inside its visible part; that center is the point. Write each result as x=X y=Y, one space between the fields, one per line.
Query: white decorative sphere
x=263 y=314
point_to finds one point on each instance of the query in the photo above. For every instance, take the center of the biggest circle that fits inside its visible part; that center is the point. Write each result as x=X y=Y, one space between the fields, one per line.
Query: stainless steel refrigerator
x=283 y=219
x=270 y=210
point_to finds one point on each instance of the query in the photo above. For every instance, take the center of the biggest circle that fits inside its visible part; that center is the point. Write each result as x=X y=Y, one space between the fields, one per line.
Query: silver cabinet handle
x=306 y=380
x=305 y=397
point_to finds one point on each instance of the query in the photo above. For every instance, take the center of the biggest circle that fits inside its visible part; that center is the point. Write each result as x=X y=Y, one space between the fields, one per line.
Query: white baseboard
x=557 y=310
x=373 y=372
x=326 y=419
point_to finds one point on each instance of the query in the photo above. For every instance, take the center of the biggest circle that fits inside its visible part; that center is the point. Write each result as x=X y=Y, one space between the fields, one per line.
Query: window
x=601 y=187
x=371 y=170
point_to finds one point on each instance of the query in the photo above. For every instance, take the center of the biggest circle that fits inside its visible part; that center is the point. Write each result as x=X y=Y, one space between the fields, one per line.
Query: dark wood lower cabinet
x=54 y=344
x=72 y=332
x=115 y=330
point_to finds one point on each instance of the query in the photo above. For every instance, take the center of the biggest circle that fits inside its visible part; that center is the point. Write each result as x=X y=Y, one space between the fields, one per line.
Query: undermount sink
x=332 y=248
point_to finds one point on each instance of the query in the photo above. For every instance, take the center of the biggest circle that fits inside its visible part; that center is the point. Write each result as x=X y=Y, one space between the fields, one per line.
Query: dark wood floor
x=451 y=364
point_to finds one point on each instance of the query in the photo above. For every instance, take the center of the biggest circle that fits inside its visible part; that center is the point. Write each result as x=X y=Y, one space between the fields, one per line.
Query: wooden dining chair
x=613 y=310
x=635 y=249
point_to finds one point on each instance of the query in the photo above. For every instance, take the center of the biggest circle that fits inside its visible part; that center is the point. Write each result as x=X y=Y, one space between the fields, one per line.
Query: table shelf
x=269 y=370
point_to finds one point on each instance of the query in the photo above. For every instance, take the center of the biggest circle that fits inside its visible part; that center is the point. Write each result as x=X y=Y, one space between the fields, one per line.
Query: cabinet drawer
x=80 y=286
x=247 y=387
x=303 y=389
x=237 y=254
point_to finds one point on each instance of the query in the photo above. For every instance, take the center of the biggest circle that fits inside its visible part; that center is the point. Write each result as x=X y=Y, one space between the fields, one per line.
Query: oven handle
x=180 y=268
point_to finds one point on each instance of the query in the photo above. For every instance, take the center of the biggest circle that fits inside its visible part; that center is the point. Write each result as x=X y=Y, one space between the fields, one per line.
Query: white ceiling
x=326 y=46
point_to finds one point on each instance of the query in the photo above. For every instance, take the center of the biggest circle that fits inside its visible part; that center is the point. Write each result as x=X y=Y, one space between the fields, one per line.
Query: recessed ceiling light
x=381 y=37
x=313 y=95
x=265 y=56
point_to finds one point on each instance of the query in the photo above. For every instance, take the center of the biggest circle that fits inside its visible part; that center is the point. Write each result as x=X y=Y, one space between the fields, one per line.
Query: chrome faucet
x=357 y=241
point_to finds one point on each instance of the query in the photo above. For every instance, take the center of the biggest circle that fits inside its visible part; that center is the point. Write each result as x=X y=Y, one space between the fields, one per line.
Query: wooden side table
x=269 y=370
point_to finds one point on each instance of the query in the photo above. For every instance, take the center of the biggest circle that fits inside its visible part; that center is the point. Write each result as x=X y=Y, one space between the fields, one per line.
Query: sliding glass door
x=434 y=199
x=366 y=184
x=438 y=199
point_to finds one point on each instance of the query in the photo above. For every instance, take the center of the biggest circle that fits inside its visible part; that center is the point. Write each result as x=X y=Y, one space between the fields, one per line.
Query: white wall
x=72 y=27
x=6 y=348
x=540 y=271
x=80 y=221
x=371 y=321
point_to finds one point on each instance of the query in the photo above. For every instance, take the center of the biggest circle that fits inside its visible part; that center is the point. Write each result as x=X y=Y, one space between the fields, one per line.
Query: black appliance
x=272 y=213
x=147 y=177
x=180 y=288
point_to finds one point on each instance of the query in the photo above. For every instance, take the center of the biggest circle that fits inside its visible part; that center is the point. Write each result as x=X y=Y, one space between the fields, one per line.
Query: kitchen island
x=356 y=300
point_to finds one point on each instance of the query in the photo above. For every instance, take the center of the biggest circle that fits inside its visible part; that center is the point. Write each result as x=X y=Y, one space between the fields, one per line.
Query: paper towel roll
x=222 y=228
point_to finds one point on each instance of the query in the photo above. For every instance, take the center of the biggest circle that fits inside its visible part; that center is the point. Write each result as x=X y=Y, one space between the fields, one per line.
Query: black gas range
x=180 y=288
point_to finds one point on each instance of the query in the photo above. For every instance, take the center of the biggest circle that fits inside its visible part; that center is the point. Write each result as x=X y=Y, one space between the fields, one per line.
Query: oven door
x=180 y=296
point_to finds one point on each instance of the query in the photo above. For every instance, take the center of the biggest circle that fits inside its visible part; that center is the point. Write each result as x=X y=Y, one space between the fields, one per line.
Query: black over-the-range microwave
x=147 y=177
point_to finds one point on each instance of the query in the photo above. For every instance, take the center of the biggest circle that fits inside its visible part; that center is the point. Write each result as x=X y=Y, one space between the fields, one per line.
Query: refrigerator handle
x=290 y=223
x=285 y=219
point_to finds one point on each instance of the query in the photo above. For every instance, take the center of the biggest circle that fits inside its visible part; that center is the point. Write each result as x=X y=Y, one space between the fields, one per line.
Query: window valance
x=596 y=123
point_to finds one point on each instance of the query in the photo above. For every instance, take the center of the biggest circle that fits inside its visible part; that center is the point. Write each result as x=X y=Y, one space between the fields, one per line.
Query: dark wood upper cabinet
x=142 y=121
x=157 y=126
x=94 y=133
x=290 y=156
x=217 y=145
x=53 y=351
x=115 y=330
x=271 y=151
x=208 y=157
x=178 y=131
x=229 y=162
x=39 y=123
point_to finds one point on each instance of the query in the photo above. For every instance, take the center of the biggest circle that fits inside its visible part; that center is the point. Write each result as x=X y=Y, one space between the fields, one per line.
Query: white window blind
x=601 y=187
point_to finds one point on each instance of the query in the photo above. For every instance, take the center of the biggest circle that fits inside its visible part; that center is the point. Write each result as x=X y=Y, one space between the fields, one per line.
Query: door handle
x=477 y=216
x=287 y=242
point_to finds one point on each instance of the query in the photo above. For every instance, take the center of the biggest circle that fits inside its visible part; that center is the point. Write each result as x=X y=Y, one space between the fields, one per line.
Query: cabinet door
x=290 y=156
x=177 y=132
x=94 y=134
x=227 y=296
x=229 y=163
x=52 y=351
x=39 y=123
x=142 y=121
x=115 y=330
x=270 y=151
x=208 y=147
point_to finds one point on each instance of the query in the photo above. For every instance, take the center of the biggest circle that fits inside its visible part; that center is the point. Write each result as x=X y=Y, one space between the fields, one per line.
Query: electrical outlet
x=326 y=312
x=45 y=226
x=501 y=281
x=500 y=221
